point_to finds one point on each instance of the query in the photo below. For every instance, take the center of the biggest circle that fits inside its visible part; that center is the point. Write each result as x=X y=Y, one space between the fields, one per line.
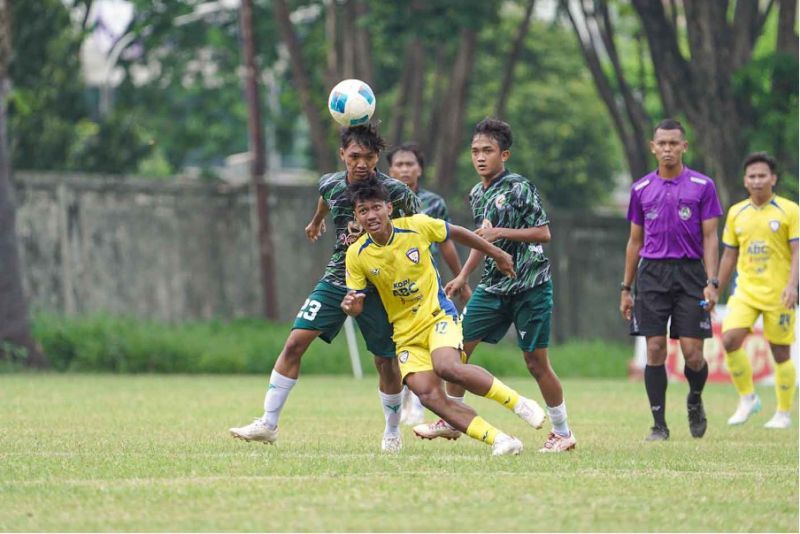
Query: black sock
x=655 y=382
x=697 y=381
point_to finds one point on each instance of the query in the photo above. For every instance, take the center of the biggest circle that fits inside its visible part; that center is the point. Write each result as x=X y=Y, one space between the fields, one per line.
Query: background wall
x=179 y=251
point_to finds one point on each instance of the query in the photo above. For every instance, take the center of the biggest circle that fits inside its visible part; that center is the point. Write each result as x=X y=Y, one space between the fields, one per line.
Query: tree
x=15 y=328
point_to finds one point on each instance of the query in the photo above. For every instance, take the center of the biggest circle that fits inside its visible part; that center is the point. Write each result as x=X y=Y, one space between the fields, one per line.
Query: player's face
x=405 y=168
x=360 y=161
x=759 y=180
x=487 y=158
x=373 y=215
x=668 y=147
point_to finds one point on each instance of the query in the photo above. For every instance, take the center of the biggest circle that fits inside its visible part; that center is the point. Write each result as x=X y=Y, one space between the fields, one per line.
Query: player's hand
x=455 y=286
x=488 y=233
x=626 y=305
x=789 y=296
x=711 y=297
x=353 y=302
x=505 y=264
x=315 y=230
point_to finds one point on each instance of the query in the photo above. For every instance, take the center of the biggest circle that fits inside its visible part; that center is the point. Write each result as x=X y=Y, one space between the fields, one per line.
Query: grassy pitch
x=152 y=453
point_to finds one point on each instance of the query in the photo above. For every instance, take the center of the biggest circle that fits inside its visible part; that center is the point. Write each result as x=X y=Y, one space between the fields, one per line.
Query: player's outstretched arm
x=470 y=239
x=536 y=234
x=457 y=284
x=316 y=227
x=353 y=303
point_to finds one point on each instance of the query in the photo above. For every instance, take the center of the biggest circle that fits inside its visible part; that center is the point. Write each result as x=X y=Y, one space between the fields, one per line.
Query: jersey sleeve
x=526 y=200
x=711 y=207
x=404 y=202
x=354 y=274
x=434 y=230
x=793 y=213
x=729 y=238
x=635 y=214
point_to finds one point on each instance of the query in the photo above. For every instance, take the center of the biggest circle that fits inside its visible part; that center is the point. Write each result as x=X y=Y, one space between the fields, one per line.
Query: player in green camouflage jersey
x=406 y=163
x=508 y=212
x=321 y=315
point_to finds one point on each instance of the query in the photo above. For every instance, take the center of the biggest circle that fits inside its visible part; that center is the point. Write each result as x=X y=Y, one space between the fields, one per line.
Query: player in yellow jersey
x=760 y=241
x=394 y=256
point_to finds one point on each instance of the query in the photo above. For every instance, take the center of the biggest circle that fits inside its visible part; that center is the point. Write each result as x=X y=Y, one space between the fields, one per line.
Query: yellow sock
x=503 y=394
x=785 y=383
x=741 y=371
x=481 y=430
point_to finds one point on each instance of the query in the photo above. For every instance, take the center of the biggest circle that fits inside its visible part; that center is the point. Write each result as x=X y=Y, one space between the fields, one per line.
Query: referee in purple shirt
x=673 y=213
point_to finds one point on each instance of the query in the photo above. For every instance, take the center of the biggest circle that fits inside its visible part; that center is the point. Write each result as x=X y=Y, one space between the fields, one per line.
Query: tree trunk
x=15 y=330
x=437 y=103
x=398 y=120
x=453 y=118
x=513 y=58
x=363 y=47
x=701 y=87
x=417 y=90
x=302 y=82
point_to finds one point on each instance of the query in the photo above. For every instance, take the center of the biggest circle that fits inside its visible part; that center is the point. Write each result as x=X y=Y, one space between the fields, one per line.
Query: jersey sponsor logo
x=354 y=231
x=685 y=213
x=404 y=288
x=413 y=254
x=697 y=180
x=403 y=356
x=642 y=185
x=756 y=248
x=774 y=226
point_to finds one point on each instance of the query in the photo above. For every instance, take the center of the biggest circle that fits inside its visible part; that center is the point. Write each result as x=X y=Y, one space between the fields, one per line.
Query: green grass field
x=152 y=453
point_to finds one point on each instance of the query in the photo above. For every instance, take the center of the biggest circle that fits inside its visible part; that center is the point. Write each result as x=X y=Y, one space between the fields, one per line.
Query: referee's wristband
x=624 y=287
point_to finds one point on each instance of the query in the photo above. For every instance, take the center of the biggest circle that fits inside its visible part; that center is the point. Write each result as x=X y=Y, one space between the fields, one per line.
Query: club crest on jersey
x=774 y=225
x=500 y=201
x=413 y=254
x=685 y=213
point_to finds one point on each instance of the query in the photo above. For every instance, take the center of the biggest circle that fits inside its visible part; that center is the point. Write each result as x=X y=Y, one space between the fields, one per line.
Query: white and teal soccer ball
x=351 y=103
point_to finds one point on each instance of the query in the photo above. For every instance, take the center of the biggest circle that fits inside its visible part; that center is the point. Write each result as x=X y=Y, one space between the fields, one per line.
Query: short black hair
x=369 y=188
x=760 y=157
x=408 y=146
x=496 y=129
x=365 y=135
x=670 y=124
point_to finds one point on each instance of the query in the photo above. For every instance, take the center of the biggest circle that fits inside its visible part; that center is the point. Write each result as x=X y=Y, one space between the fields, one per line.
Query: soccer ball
x=351 y=102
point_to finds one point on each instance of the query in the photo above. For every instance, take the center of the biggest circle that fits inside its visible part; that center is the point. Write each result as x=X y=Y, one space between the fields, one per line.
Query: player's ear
x=389 y=207
x=505 y=154
x=341 y=154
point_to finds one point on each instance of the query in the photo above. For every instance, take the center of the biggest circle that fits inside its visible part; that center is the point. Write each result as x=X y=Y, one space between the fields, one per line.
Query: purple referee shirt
x=672 y=212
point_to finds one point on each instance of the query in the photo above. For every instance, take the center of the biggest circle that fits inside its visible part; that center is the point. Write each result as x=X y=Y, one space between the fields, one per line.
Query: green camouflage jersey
x=333 y=190
x=433 y=206
x=511 y=201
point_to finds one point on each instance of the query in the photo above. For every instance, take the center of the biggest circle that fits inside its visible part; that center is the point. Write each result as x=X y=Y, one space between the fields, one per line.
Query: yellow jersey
x=762 y=235
x=404 y=274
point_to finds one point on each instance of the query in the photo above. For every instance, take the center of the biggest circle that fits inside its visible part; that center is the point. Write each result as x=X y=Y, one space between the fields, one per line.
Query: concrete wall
x=178 y=251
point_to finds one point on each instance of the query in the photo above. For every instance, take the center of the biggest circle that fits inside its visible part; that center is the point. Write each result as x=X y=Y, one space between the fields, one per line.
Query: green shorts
x=321 y=312
x=487 y=317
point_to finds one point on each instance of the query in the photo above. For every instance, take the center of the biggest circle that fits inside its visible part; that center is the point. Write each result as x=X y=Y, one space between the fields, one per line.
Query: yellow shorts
x=415 y=355
x=778 y=324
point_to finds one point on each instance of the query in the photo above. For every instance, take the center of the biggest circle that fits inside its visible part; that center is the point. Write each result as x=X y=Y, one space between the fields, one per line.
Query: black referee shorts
x=670 y=289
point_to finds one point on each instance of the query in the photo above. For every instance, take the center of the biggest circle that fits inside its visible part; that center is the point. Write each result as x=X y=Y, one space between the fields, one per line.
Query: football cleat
x=748 y=405
x=658 y=433
x=529 y=411
x=504 y=445
x=391 y=444
x=780 y=420
x=556 y=443
x=697 y=419
x=439 y=429
x=256 y=431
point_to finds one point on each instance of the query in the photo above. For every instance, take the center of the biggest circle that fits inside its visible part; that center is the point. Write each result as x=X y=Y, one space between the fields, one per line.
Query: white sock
x=558 y=416
x=277 y=393
x=456 y=399
x=414 y=401
x=391 y=404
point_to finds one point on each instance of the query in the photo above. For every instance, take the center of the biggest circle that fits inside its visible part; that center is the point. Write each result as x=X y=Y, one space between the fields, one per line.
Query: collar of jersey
x=497 y=179
x=770 y=202
x=371 y=241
